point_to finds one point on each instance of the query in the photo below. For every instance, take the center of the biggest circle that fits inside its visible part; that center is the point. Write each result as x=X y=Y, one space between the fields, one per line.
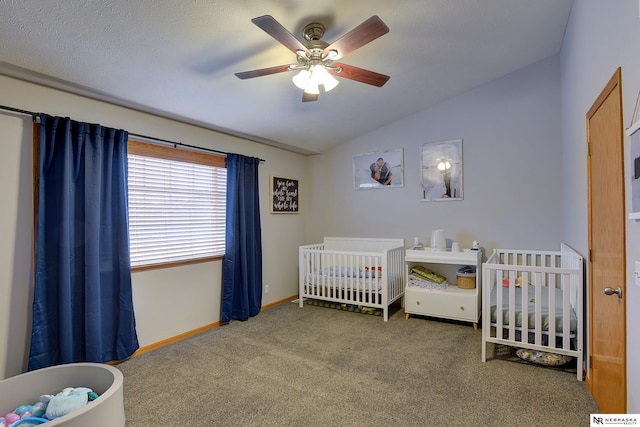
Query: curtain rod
x=17 y=110
x=176 y=144
x=34 y=115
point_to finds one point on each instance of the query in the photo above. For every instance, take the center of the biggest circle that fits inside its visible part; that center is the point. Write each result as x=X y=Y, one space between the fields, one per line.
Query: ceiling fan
x=316 y=58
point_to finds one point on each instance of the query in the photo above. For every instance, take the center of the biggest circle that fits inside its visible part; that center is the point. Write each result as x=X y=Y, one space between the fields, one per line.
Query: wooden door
x=607 y=316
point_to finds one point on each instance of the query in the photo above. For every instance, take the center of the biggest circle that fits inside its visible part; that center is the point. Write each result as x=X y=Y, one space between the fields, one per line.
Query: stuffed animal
x=68 y=400
x=48 y=408
x=506 y=283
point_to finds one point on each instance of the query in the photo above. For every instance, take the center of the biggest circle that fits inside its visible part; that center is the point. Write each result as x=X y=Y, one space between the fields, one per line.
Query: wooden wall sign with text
x=284 y=195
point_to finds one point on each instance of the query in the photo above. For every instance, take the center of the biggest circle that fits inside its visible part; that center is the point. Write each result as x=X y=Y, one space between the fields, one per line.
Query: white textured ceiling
x=177 y=58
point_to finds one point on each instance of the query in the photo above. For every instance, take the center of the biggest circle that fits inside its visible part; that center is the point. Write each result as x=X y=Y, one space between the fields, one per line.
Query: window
x=177 y=202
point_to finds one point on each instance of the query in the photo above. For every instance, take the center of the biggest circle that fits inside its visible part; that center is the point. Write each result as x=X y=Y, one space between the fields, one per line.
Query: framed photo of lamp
x=441 y=170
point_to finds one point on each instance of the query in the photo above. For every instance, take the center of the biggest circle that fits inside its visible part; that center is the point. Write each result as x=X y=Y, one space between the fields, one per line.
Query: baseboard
x=180 y=337
x=273 y=304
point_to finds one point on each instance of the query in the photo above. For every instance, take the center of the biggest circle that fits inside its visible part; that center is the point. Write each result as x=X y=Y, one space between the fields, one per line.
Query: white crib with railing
x=533 y=300
x=364 y=272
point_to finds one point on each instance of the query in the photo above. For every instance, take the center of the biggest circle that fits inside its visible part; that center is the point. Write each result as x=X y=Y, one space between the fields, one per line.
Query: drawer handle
x=462 y=308
x=417 y=302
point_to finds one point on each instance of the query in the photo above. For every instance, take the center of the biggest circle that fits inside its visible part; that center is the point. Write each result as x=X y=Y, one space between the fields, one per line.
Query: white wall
x=167 y=302
x=16 y=228
x=511 y=134
x=601 y=36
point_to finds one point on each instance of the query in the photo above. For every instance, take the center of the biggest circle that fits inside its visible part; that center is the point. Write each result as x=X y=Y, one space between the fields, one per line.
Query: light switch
x=636 y=274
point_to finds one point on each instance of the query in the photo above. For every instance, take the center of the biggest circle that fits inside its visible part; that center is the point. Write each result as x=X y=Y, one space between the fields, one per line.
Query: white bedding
x=531 y=308
x=346 y=278
x=339 y=271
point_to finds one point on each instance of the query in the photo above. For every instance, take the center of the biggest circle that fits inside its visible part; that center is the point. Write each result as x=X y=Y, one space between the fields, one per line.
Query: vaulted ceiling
x=178 y=58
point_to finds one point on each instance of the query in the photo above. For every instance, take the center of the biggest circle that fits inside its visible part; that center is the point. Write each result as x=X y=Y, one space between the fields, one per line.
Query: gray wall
x=601 y=36
x=511 y=132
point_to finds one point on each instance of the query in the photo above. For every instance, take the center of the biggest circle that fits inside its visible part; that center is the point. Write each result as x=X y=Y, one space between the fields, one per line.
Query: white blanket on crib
x=361 y=281
x=531 y=308
x=340 y=271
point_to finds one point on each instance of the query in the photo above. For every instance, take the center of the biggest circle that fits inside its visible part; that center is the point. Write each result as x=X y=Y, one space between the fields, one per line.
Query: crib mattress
x=531 y=308
x=342 y=282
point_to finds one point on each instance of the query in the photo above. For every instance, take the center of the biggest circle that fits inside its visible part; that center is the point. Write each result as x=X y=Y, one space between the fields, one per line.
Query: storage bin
x=107 y=381
x=466 y=280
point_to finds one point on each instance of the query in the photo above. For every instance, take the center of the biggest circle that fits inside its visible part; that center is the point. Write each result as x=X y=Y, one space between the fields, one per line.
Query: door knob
x=611 y=291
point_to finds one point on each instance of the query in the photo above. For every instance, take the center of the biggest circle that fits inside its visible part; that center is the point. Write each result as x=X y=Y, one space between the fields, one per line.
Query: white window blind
x=176 y=210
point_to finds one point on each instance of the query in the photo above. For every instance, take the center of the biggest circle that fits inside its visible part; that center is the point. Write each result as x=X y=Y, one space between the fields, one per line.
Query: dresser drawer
x=452 y=304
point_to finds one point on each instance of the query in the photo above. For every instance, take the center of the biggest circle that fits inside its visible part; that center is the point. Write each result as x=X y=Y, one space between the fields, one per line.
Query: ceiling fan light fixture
x=316 y=54
x=310 y=80
x=312 y=88
x=329 y=82
x=320 y=76
x=302 y=79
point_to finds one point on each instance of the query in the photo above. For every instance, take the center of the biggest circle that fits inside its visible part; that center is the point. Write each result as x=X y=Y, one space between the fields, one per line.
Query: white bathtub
x=106 y=411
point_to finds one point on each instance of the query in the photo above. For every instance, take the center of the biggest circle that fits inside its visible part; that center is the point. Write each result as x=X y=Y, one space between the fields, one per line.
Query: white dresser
x=452 y=302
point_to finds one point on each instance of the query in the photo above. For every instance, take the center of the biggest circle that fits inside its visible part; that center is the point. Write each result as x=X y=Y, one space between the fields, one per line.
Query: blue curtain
x=242 y=272
x=83 y=305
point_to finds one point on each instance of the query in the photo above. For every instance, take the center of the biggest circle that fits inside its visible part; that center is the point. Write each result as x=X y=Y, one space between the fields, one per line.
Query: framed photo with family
x=378 y=169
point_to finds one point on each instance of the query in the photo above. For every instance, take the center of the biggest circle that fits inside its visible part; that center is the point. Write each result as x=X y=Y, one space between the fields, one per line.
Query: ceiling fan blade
x=364 y=33
x=360 y=75
x=308 y=97
x=278 y=32
x=262 y=72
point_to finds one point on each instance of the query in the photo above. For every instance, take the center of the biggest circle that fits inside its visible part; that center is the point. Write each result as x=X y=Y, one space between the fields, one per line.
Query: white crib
x=365 y=272
x=540 y=295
